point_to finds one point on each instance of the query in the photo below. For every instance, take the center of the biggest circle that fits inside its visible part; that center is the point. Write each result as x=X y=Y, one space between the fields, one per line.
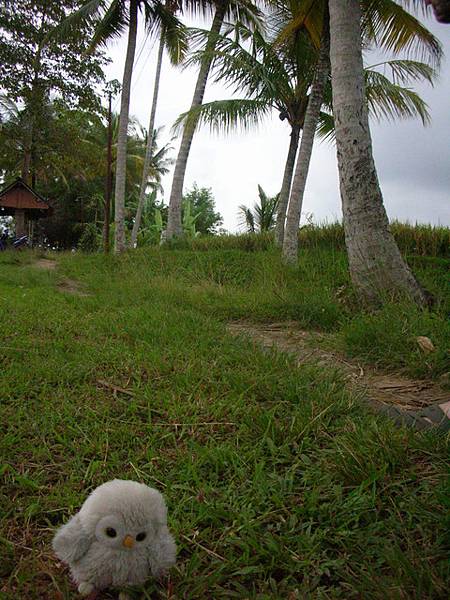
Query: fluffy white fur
x=97 y=560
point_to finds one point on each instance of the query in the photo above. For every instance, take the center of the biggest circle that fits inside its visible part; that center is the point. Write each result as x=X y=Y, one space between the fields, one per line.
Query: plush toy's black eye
x=141 y=536
x=111 y=532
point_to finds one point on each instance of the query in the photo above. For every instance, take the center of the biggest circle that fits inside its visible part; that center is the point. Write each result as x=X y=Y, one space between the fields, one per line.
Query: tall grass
x=422 y=240
x=418 y=240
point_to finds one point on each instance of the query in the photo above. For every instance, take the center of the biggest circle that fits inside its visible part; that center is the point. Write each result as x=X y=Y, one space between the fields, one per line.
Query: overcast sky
x=413 y=161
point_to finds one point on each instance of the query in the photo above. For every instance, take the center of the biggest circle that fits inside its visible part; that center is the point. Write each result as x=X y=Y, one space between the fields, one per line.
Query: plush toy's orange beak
x=128 y=541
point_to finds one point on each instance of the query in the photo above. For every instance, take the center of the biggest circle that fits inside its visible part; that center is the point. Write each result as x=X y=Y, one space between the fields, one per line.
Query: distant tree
x=95 y=136
x=58 y=149
x=114 y=17
x=35 y=67
x=176 y=54
x=70 y=165
x=263 y=215
x=202 y=207
x=28 y=57
x=240 y=12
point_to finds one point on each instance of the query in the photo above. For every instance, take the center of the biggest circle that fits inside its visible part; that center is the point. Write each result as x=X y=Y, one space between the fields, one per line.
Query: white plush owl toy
x=118 y=538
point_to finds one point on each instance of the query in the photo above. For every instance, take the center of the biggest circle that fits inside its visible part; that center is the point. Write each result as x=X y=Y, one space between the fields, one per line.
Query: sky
x=413 y=161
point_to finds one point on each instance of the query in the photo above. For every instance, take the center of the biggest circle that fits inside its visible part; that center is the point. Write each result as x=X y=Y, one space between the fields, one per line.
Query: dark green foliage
x=34 y=64
x=70 y=167
x=90 y=238
x=207 y=220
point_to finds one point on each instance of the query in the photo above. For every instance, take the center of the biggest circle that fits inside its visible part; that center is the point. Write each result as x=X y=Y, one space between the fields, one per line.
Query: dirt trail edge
x=394 y=395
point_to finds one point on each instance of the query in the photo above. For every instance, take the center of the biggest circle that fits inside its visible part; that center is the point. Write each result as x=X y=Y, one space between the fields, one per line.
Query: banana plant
x=189 y=221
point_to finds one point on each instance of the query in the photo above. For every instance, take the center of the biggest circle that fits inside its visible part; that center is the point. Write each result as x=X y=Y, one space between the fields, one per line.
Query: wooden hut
x=20 y=201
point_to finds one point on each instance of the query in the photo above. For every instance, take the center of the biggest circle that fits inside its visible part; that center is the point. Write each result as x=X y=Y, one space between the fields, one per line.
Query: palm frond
x=263 y=197
x=110 y=26
x=307 y=16
x=407 y=71
x=389 y=26
x=8 y=108
x=159 y=16
x=265 y=212
x=258 y=71
x=247 y=14
x=325 y=126
x=224 y=116
x=389 y=100
x=246 y=218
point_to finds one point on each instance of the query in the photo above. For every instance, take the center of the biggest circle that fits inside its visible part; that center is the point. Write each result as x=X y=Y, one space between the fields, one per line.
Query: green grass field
x=279 y=483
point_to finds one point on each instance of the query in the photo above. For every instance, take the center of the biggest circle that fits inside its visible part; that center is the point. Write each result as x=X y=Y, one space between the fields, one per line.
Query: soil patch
x=45 y=263
x=70 y=286
x=379 y=389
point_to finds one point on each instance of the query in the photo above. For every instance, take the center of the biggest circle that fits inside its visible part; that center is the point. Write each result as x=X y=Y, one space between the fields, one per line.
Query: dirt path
x=390 y=394
x=69 y=286
x=46 y=264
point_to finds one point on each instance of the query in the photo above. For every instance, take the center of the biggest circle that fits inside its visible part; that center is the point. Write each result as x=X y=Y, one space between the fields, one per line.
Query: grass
x=279 y=483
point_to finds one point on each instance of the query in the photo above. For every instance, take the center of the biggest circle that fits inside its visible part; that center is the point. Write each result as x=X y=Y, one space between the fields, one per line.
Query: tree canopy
x=31 y=58
x=207 y=220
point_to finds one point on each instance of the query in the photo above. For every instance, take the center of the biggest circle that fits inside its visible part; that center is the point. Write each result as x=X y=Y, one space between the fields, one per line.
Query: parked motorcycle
x=17 y=242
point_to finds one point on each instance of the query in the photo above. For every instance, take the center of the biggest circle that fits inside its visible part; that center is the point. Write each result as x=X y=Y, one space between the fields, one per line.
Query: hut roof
x=18 y=195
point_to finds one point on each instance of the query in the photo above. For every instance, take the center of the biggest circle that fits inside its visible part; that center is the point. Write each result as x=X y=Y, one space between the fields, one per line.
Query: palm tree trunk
x=36 y=98
x=26 y=163
x=174 y=226
x=121 y=160
x=286 y=186
x=108 y=183
x=290 y=241
x=148 y=150
x=377 y=268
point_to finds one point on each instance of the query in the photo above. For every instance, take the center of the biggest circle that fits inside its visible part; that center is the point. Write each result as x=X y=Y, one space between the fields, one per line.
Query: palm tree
x=384 y=24
x=114 y=16
x=290 y=237
x=278 y=76
x=148 y=151
x=156 y=164
x=272 y=77
x=119 y=190
x=242 y=11
x=176 y=56
x=54 y=142
x=376 y=266
x=262 y=217
x=95 y=142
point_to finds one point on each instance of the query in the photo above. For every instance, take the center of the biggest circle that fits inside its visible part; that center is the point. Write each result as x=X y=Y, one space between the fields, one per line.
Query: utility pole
x=107 y=213
x=112 y=88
